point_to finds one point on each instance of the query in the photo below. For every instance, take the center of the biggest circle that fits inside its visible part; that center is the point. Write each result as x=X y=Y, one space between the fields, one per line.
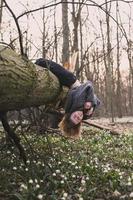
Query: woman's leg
x=65 y=77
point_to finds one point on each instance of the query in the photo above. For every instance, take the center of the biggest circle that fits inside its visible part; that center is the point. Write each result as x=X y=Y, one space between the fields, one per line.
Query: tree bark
x=24 y=84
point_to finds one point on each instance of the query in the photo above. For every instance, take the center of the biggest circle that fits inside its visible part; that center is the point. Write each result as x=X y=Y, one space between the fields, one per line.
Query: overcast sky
x=35 y=20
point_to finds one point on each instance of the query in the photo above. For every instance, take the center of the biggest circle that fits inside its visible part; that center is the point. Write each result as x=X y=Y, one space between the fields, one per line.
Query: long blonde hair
x=69 y=129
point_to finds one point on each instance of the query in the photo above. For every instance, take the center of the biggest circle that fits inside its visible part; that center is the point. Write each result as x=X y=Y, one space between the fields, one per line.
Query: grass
x=98 y=166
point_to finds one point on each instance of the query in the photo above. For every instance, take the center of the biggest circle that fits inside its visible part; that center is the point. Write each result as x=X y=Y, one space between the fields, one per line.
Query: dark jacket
x=78 y=96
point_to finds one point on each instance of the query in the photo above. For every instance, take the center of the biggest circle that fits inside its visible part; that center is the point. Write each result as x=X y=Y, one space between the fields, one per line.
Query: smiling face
x=76 y=117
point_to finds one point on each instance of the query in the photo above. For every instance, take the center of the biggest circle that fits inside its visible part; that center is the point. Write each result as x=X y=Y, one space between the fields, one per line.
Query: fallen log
x=101 y=127
x=24 y=84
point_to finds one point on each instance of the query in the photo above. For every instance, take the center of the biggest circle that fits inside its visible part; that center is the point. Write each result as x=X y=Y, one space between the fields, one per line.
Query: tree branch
x=93 y=3
x=18 y=27
x=90 y=123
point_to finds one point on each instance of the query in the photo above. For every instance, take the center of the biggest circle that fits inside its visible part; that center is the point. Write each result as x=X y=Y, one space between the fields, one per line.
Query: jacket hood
x=78 y=96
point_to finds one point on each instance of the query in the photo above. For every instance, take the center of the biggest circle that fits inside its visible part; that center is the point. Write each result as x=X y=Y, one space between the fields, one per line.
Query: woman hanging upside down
x=81 y=100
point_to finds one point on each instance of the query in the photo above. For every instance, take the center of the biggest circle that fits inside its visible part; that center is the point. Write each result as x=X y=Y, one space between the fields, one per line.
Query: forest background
x=98 y=36
x=98 y=32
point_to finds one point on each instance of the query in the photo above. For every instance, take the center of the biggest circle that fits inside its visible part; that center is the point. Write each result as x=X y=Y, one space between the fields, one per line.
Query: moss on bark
x=23 y=84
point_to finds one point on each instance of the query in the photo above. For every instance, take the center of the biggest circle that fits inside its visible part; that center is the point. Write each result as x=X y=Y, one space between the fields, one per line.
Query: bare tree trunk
x=119 y=98
x=130 y=58
x=43 y=37
x=65 y=50
x=106 y=68
x=55 y=36
x=76 y=20
x=1 y=12
x=130 y=61
x=23 y=84
x=26 y=46
x=81 y=50
x=110 y=66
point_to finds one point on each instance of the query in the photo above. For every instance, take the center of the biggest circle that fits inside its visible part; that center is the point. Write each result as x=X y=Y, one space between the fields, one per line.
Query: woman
x=81 y=100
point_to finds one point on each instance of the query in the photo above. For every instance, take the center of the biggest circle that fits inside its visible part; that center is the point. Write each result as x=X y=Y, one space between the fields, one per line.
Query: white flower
x=81 y=198
x=105 y=170
x=26 y=169
x=87 y=178
x=129 y=179
x=62 y=182
x=83 y=182
x=57 y=171
x=37 y=186
x=116 y=193
x=81 y=189
x=31 y=181
x=73 y=163
x=23 y=186
x=65 y=194
x=62 y=176
x=28 y=161
x=36 y=181
x=131 y=195
x=14 y=168
x=73 y=176
x=54 y=174
x=40 y=196
x=129 y=183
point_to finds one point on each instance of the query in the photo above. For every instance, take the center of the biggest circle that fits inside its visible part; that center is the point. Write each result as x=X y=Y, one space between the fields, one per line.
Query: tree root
x=12 y=136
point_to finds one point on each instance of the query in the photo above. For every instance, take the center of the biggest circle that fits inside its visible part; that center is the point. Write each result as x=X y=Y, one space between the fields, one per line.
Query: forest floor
x=97 y=167
x=122 y=125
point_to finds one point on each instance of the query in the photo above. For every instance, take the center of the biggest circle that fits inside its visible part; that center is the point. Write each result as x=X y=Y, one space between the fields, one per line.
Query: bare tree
x=118 y=86
x=55 y=36
x=76 y=20
x=1 y=9
x=109 y=70
x=44 y=37
x=129 y=49
x=65 y=49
